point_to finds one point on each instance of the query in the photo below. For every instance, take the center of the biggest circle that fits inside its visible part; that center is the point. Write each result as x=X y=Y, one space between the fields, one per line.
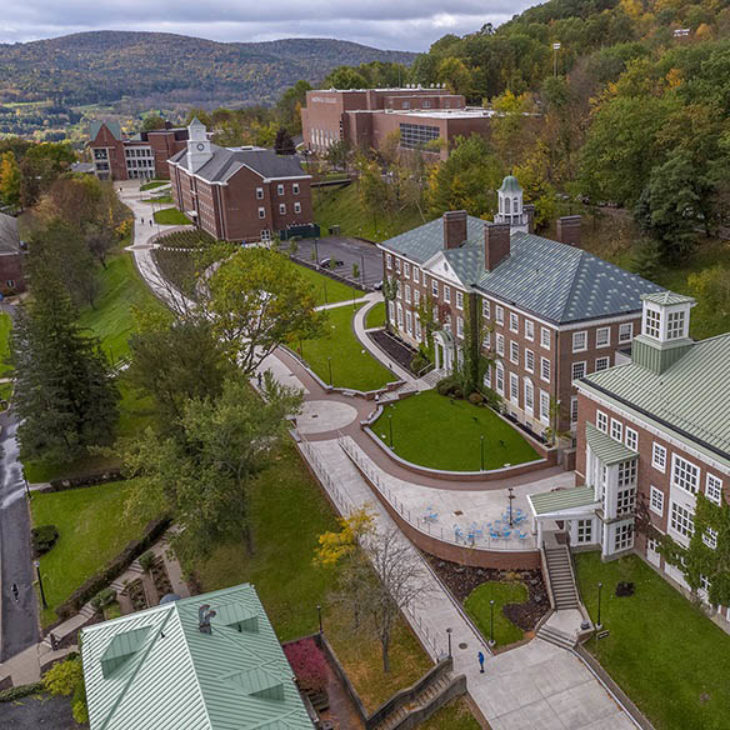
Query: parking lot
x=348 y=250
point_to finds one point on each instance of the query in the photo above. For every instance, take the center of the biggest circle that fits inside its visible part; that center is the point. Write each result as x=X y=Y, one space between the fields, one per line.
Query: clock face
x=201 y=146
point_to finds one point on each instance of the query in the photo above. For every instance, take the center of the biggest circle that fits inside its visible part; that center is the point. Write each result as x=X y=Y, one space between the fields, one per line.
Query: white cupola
x=199 y=149
x=511 y=209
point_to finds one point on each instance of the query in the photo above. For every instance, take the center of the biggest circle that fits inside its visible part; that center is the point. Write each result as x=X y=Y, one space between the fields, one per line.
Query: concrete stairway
x=394 y=719
x=432 y=378
x=560 y=574
x=555 y=636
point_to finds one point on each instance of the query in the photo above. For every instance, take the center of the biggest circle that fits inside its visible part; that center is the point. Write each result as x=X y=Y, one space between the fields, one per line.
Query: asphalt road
x=348 y=250
x=38 y=711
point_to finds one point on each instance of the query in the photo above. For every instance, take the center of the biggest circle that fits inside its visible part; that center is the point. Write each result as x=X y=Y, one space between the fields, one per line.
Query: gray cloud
x=398 y=24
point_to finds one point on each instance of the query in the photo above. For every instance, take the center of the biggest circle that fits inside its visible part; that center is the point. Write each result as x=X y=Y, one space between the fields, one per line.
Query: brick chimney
x=454 y=228
x=496 y=244
x=569 y=230
x=529 y=209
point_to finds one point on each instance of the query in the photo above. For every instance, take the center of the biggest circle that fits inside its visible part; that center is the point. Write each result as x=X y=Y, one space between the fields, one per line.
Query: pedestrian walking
x=480 y=656
x=258 y=378
x=142 y=219
x=150 y=222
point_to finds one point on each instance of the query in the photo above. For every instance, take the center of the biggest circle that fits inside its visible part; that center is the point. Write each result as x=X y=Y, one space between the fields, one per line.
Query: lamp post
x=319 y=616
x=448 y=636
x=511 y=497
x=37 y=564
x=481 y=452
x=491 y=623
x=556 y=48
x=599 y=625
x=324 y=284
x=329 y=365
x=390 y=428
x=316 y=250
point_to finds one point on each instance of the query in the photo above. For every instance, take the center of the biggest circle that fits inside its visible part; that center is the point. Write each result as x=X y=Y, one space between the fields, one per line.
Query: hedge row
x=89 y=480
x=23 y=690
x=186 y=239
x=152 y=532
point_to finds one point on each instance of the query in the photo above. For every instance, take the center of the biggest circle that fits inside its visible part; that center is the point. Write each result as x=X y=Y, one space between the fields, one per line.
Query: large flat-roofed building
x=241 y=194
x=366 y=118
x=143 y=156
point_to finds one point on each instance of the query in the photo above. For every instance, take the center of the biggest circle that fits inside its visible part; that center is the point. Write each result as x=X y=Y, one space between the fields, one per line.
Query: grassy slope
x=5 y=326
x=91 y=532
x=342 y=207
x=170 y=217
x=153 y=184
x=477 y=606
x=376 y=316
x=441 y=433
x=669 y=658
x=289 y=512
x=326 y=290
x=455 y=715
x=352 y=365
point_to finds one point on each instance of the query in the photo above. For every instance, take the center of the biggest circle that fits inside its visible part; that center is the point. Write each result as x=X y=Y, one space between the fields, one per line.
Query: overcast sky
x=390 y=24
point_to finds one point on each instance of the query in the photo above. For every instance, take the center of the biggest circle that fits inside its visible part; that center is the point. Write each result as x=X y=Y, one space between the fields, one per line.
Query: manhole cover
x=458 y=512
x=463 y=645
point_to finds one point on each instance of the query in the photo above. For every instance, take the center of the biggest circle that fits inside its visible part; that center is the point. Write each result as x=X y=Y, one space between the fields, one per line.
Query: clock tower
x=199 y=151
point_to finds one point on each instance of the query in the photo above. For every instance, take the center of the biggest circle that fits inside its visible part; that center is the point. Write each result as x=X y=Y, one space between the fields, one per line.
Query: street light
x=599 y=625
x=319 y=614
x=491 y=623
x=390 y=428
x=448 y=636
x=481 y=452
x=329 y=365
x=37 y=564
x=511 y=497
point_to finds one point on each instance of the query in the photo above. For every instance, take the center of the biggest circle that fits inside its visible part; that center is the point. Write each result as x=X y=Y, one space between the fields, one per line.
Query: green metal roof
x=608 y=450
x=691 y=397
x=113 y=127
x=156 y=669
x=562 y=499
x=667 y=297
x=510 y=185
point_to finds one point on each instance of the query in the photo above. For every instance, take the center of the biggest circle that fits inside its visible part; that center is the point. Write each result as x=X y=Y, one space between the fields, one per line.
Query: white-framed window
x=685 y=474
x=529 y=360
x=500 y=344
x=579 y=370
x=529 y=329
x=713 y=489
x=625 y=501
x=399 y=309
x=545 y=369
x=681 y=520
x=529 y=395
x=658 y=457
x=710 y=538
x=656 y=500
x=485 y=309
x=409 y=322
x=652 y=323
x=435 y=313
x=602 y=421
x=297 y=207
x=617 y=430
x=675 y=325
x=460 y=326
x=652 y=545
x=584 y=531
x=282 y=208
x=626 y=332
x=416 y=274
x=417 y=322
x=488 y=377
x=416 y=297
x=406 y=269
x=603 y=337
x=499 y=370
x=447 y=294
x=408 y=293
x=259 y=193
x=487 y=341
x=580 y=341
x=397 y=265
x=603 y=363
x=573 y=409
x=545 y=337
x=626 y=474
x=295 y=188
x=499 y=314
x=280 y=190
x=434 y=288
x=262 y=212
x=514 y=322
x=388 y=261
x=704 y=583
x=514 y=352
x=632 y=439
x=545 y=407
x=398 y=289
x=624 y=537
x=459 y=300
x=514 y=388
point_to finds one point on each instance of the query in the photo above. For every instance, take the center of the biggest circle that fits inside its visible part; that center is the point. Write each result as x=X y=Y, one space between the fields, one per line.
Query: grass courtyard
x=443 y=433
x=91 y=532
x=666 y=655
x=326 y=290
x=376 y=316
x=152 y=184
x=171 y=217
x=352 y=364
x=6 y=325
x=477 y=606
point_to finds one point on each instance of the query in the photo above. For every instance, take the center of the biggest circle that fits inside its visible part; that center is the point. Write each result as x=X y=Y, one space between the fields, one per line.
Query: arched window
x=506 y=205
x=516 y=205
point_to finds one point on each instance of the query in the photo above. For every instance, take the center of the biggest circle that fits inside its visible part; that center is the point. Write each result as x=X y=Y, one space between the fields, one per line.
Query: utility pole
x=556 y=48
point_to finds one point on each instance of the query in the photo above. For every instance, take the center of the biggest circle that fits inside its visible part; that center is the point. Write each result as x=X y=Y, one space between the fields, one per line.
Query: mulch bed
x=400 y=353
x=461 y=580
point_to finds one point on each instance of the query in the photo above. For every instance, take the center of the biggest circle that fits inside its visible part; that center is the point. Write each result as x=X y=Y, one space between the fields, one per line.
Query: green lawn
x=454 y=715
x=441 y=433
x=352 y=364
x=171 y=217
x=326 y=290
x=159 y=199
x=666 y=655
x=342 y=207
x=376 y=316
x=92 y=530
x=152 y=184
x=477 y=606
x=6 y=325
x=288 y=513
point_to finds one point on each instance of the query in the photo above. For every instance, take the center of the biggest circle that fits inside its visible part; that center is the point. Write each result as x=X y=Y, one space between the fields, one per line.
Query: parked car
x=330 y=263
x=378 y=285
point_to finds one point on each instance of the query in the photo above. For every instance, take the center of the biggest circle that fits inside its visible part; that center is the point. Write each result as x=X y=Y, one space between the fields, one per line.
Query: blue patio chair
x=506 y=533
x=523 y=536
x=494 y=535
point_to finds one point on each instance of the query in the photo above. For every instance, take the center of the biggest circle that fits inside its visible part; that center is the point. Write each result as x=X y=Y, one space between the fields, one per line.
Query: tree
x=345 y=77
x=457 y=77
x=372 y=188
x=204 y=475
x=339 y=153
x=152 y=122
x=67 y=679
x=290 y=105
x=64 y=394
x=258 y=301
x=9 y=180
x=284 y=144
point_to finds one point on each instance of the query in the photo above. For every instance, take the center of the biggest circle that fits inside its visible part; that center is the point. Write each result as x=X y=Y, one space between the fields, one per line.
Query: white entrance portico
x=574 y=509
x=444 y=351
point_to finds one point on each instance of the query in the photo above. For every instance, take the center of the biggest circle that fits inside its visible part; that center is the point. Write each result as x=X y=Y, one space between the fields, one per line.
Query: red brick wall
x=11 y=269
x=117 y=163
x=164 y=146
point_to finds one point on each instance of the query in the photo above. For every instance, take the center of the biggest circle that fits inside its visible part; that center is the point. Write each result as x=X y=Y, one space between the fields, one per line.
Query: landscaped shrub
x=146 y=560
x=43 y=539
x=186 y=239
x=476 y=398
x=103 y=598
x=492 y=399
x=67 y=678
x=308 y=663
x=418 y=362
x=451 y=386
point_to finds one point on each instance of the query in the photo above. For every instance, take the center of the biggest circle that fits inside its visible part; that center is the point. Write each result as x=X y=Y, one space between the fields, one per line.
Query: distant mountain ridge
x=103 y=66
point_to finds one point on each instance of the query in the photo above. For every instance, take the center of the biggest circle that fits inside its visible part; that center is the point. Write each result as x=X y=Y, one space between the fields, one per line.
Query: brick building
x=551 y=313
x=652 y=434
x=12 y=280
x=366 y=118
x=145 y=155
x=240 y=194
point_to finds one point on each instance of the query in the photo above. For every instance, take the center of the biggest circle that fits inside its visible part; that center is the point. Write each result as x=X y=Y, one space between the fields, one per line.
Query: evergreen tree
x=284 y=144
x=64 y=392
x=9 y=179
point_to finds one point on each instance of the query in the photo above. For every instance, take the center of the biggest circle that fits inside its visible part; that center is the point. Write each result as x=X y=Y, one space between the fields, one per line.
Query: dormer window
x=675 y=325
x=652 y=323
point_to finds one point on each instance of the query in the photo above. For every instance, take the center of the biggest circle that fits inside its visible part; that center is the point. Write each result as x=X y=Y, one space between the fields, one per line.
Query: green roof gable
x=608 y=450
x=562 y=499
